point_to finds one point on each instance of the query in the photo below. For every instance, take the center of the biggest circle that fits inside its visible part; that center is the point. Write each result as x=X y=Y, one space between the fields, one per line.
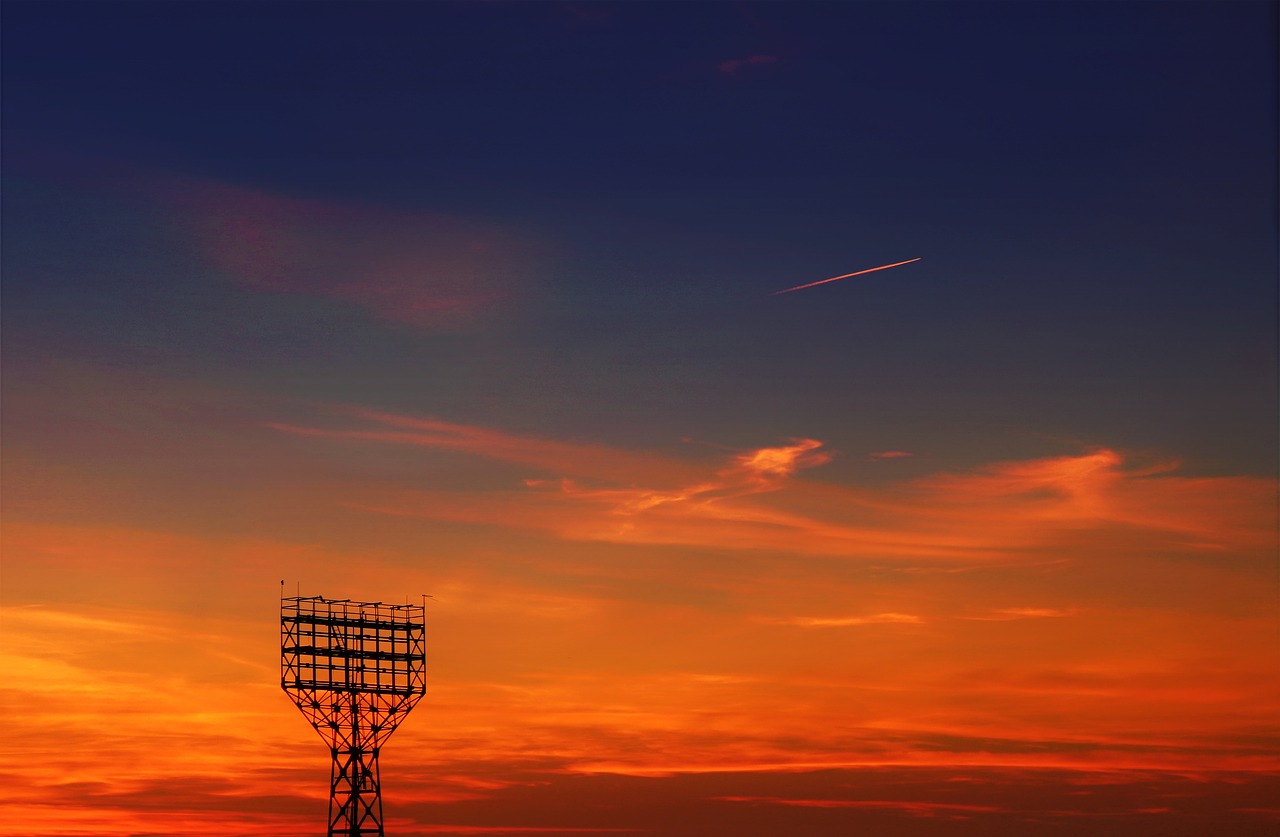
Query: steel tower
x=355 y=669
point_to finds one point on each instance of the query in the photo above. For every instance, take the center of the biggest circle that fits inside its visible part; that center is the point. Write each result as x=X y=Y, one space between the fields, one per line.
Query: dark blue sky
x=1091 y=188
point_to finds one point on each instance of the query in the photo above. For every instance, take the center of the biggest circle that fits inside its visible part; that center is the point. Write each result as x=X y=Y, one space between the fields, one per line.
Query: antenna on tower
x=355 y=669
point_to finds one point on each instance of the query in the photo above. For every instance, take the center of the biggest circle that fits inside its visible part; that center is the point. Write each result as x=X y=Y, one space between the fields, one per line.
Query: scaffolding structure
x=355 y=669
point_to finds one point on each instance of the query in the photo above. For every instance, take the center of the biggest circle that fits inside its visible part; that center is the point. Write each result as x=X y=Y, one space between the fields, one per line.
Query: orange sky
x=601 y=612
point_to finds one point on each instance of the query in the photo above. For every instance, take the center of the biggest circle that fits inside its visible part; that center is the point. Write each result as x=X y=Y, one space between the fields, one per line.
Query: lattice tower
x=355 y=669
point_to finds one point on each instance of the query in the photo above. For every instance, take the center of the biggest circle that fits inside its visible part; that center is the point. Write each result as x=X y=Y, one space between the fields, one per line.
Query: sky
x=480 y=301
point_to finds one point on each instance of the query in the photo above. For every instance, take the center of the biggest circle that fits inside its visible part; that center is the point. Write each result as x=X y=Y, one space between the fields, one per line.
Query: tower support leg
x=355 y=794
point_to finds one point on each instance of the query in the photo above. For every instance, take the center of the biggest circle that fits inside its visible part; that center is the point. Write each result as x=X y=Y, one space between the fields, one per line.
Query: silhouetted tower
x=355 y=669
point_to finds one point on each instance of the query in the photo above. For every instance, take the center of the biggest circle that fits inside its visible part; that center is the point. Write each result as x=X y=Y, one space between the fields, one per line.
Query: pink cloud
x=422 y=269
x=734 y=65
x=887 y=454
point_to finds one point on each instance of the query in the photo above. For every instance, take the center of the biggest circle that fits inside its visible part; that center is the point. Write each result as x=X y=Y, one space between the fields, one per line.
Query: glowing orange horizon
x=1031 y=616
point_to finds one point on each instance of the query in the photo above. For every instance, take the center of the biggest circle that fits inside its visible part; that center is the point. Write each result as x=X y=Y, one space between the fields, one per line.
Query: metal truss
x=355 y=669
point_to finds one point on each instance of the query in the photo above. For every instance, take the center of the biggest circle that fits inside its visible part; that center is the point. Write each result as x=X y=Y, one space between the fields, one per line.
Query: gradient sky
x=478 y=300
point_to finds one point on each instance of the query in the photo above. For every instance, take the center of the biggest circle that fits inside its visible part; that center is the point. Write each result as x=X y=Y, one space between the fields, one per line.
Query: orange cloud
x=919 y=809
x=1006 y=614
x=845 y=621
x=543 y=455
x=768 y=463
x=757 y=501
x=1096 y=489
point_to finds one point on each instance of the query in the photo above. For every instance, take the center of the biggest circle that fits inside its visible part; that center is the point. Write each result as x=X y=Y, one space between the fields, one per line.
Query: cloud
x=919 y=809
x=736 y=65
x=1099 y=487
x=756 y=471
x=577 y=459
x=999 y=615
x=887 y=454
x=1008 y=614
x=758 y=500
x=114 y=681
x=427 y=270
x=770 y=463
x=846 y=621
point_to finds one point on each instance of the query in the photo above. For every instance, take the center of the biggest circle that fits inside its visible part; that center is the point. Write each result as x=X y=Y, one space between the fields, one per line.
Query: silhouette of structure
x=355 y=669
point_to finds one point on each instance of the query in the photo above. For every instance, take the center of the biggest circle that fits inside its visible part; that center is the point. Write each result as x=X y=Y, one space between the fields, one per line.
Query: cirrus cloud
x=757 y=500
x=428 y=270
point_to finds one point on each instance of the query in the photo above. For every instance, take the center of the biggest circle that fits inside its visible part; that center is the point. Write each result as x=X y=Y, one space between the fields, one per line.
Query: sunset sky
x=480 y=301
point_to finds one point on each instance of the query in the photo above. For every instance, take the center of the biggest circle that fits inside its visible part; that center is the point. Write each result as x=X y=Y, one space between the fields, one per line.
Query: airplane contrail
x=846 y=276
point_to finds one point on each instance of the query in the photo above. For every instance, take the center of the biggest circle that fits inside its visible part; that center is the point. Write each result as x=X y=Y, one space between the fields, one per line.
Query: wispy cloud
x=758 y=499
x=737 y=65
x=1009 y=614
x=915 y=808
x=576 y=459
x=846 y=621
x=427 y=270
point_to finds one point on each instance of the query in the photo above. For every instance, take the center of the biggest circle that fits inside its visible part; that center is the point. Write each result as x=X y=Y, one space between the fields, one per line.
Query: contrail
x=846 y=276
